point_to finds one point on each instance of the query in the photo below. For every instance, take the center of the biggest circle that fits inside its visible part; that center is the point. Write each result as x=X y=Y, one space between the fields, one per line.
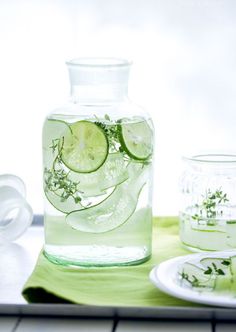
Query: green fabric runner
x=111 y=286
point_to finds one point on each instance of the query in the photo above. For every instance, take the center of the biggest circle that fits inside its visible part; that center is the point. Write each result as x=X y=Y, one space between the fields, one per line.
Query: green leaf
x=220 y=272
x=225 y=262
x=208 y=271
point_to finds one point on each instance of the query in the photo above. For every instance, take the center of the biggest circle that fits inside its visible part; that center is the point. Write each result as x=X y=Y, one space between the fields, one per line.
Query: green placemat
x=111 y=286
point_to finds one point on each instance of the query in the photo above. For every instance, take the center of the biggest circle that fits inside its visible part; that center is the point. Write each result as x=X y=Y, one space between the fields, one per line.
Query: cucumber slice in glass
x=231 y=231
x=112 y=212
x=54 y=129
x=69 y=204
x=86 y=148
x=136 y=139
x=53 y=132
x=207 y=240
x=110 y=174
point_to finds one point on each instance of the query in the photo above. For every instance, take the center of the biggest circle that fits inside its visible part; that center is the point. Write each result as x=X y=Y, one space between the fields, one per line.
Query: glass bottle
x=97 y=155
x=208 y=210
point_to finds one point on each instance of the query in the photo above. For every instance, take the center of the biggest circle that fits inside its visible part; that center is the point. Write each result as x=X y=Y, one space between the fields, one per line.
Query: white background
x=184 y=74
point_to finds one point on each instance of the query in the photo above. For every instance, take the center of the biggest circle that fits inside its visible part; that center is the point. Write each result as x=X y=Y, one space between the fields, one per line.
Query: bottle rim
x=99 y=62
x=211 y=158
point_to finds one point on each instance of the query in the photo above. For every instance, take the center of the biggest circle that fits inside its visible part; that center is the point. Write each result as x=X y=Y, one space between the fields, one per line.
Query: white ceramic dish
x=165 y=277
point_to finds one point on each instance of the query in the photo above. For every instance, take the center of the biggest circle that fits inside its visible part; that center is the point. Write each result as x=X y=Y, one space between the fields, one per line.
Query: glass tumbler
x=208 y=202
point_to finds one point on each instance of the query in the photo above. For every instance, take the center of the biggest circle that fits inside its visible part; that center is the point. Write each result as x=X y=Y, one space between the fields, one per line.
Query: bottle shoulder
x=115 y=111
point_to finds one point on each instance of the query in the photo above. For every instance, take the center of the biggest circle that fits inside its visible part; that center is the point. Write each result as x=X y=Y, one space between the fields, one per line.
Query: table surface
x=17 y=262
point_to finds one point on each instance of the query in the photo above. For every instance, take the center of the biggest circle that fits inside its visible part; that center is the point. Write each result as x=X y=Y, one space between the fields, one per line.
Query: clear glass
x=16 y=214
x=97 y=155
x=208 y=202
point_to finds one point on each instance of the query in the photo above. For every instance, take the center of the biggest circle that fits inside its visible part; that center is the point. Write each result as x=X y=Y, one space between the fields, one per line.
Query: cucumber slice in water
x=86 y=148
x=53 y=131
x=136 y=139
x=92 y=188
x=110 y=174
x=207 y=240
x=69 y=204
x=231 y=232
x=115 y=210
x=59 y=184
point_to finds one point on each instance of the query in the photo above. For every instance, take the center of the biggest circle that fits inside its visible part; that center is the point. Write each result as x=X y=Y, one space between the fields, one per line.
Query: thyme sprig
x=214 y=270
x=112 y=133
x=211 y=201
x=56 y=179
x=58 y=182
x=55 y=144
x=211 y=270
x=195 y=282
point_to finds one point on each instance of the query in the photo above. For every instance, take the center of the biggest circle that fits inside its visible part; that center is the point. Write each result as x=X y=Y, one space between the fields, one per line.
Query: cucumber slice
x=233 y=286
x=195 y=276
x=231 y=231
x=92 y=188
x=110 y=174
x=69 y=204
x=86 y=148
x=205 y=227
x=233 y=266
x=53 y=131
x=207 y=240
x=223 y=283
x=218 y=265
x=136 y=139
x=112 y=212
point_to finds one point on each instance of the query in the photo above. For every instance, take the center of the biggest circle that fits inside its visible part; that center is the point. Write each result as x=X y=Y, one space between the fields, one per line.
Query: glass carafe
x=97 y=155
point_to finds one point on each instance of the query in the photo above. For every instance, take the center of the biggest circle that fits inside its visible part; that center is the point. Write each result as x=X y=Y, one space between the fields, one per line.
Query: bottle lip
x=99 y=62
x=211 y=158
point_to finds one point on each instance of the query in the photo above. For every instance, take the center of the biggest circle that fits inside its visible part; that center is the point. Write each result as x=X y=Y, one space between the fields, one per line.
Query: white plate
x=165 y=277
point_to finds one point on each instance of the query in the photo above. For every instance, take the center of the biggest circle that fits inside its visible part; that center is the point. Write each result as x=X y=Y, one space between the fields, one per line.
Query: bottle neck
x=97 y=94
x=98 y=80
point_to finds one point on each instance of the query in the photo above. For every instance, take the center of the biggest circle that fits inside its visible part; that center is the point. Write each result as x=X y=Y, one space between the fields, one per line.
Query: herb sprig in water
x=56 y=179
x=210 y=203
x=111 y=132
